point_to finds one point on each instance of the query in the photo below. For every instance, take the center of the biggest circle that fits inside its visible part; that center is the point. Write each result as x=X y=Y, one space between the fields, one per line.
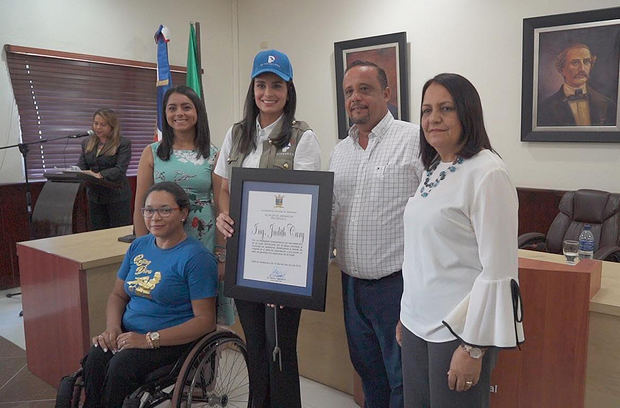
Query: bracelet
x=220 y=255
x=148 y=340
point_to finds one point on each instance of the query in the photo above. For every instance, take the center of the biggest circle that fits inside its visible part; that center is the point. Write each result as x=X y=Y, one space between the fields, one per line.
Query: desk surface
x=89 y=249
x=607 y=300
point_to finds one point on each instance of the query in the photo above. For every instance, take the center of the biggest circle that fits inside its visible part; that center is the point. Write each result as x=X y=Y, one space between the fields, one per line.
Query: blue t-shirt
x=161 y=283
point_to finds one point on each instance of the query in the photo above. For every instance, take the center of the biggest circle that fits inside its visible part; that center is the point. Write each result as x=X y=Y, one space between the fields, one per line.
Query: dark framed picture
x=571 y=77
x=387 y=51
x=279 y=252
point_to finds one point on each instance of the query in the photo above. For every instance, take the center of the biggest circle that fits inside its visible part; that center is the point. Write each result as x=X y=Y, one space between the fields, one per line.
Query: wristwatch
x=474 y=352
x=154 y=339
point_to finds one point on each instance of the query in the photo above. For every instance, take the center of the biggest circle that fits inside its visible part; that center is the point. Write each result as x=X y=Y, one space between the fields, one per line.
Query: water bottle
x=586 y=243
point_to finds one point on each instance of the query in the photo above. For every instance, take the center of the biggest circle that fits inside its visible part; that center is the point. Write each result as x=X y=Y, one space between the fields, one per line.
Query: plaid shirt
x=371 y=188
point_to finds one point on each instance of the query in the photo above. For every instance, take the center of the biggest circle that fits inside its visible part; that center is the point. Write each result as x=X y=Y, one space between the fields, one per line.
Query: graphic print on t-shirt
x=143 y=285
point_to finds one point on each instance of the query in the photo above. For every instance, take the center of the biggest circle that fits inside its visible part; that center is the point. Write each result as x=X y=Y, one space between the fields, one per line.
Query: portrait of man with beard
x=576 y=103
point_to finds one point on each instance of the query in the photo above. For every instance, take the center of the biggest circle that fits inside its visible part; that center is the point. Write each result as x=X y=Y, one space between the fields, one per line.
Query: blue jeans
x=371 y=312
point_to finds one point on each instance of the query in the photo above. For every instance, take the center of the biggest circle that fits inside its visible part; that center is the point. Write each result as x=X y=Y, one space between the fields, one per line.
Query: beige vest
x=273 y=157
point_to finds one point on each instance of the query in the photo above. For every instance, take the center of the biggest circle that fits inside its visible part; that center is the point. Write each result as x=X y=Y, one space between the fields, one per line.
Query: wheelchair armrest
x=533 y=240
x=608 y=253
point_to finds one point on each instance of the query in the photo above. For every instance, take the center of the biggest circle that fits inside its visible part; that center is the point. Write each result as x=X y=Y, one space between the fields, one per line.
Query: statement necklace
x=428 y=185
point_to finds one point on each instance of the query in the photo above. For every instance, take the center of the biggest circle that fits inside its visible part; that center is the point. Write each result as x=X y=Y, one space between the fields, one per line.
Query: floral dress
x=194 y=175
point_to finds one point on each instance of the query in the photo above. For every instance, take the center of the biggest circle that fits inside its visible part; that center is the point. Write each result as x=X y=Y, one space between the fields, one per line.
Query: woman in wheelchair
x=163 y=300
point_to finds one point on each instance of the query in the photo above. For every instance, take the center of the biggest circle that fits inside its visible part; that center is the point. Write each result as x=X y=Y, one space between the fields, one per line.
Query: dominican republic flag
x=164 y=79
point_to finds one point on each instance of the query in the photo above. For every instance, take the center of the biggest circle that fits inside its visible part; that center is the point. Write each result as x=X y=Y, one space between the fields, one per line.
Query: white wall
x=118 y=29
x=480 y=39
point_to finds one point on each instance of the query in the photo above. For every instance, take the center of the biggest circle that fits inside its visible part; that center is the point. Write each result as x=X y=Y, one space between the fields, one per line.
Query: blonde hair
x=111 y=146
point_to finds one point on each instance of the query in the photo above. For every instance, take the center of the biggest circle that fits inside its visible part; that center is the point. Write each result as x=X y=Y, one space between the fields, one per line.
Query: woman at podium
x=106 y=155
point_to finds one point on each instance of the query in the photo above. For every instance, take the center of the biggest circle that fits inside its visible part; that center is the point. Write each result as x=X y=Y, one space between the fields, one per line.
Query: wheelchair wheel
x=215 y=374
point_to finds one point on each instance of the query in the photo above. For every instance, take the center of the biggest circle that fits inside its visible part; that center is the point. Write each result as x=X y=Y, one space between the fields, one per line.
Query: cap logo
x=271 y=59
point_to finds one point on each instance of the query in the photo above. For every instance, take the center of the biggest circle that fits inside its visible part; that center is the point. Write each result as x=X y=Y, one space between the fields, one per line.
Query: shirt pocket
x=283 y=160
x=397 y=180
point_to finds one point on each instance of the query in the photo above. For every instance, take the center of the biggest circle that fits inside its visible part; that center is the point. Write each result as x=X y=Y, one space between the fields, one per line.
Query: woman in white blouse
x=461 y=299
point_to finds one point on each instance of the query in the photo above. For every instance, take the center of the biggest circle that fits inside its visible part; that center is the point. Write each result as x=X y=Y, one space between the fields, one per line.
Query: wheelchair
x=213 y=373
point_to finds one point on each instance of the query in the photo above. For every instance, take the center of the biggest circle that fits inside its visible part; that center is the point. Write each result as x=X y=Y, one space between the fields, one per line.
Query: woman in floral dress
x=185 y=156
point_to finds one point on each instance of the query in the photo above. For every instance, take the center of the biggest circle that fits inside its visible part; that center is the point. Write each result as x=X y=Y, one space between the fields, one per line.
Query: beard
x=359 y=119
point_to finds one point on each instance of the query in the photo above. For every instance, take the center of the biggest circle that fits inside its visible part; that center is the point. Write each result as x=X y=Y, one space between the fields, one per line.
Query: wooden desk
x=603 y=360
x=607 y=299
x=571 y=353
x=65 y=283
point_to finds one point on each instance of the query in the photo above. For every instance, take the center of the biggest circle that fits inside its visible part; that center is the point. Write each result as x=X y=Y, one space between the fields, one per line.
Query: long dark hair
x=469 y=109
x=250 y=113
x=202 y=139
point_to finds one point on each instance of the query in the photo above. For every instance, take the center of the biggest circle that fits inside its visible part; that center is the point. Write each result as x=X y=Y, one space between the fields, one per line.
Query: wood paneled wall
x=14 y=224
x=13 y=228
x=537 y=209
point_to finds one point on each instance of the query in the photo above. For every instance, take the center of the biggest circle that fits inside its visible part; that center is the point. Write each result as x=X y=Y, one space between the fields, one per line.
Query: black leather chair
x=577 y=208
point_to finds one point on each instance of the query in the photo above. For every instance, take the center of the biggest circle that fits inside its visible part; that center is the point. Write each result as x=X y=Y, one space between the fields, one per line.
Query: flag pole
x=199 y=59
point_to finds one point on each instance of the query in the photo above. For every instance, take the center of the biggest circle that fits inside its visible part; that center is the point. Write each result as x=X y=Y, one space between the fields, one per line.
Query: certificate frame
x=246 y=185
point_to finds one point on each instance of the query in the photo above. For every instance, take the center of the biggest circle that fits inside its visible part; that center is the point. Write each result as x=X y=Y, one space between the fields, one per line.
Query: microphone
x=88 y=133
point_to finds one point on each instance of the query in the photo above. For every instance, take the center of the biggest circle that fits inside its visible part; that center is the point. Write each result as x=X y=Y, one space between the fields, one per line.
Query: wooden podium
x=550 y=370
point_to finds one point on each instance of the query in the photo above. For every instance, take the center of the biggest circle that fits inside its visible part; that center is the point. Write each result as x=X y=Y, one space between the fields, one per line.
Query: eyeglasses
x=163 y=212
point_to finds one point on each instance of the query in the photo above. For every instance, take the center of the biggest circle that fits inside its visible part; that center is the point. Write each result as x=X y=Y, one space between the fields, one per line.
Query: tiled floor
x=20 y=389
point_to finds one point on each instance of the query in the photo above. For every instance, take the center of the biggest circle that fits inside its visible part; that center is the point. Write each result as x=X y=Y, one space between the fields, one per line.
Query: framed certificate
x=279 y=252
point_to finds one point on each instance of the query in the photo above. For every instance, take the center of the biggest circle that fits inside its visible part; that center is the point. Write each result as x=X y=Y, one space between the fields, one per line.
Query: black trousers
x=109 y=215
x=109 y=378
x=271 y=388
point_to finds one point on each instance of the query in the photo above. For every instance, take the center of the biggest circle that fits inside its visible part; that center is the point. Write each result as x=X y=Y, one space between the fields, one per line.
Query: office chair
x=577 y=208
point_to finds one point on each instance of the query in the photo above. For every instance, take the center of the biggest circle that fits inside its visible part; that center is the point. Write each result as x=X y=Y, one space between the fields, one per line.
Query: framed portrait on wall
x=388 y=52
x=279 y=252
x=571 y=77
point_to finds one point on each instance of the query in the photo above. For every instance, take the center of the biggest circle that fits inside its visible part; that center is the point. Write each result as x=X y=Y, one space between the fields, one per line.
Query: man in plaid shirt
x=376 y=169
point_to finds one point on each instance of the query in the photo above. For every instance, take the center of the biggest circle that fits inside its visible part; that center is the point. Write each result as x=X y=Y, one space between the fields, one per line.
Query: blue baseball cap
x=272 y=61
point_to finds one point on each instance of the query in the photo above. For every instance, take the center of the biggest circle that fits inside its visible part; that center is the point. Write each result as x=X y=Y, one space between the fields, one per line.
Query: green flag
x=193 y=70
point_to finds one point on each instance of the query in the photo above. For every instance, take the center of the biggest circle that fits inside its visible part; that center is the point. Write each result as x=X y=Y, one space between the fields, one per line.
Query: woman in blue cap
x=268 y=136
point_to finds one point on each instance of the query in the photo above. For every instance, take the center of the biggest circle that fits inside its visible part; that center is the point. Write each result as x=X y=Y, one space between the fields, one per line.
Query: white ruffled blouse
x=460 y=267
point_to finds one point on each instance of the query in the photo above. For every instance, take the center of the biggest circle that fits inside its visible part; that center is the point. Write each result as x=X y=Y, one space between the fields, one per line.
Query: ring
x=469 y=383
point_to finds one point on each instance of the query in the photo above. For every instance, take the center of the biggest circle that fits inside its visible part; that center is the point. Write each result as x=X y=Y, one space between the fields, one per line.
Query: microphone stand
x=24 y=148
